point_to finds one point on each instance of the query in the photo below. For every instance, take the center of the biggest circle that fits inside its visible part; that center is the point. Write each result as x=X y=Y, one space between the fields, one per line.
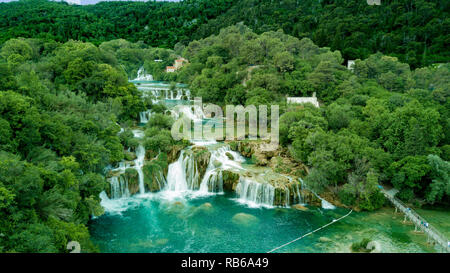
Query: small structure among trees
x=300 y=100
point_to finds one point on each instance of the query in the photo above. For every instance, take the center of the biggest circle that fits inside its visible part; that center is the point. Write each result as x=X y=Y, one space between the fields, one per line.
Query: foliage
x=383 y=123
x=414 y=31
x=59 y=108
x=155 y=23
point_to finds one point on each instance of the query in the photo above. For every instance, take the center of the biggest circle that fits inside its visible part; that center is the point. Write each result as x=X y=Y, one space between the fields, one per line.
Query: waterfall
x=254 y=193
x=142 y=76
x=119 y=187
x=144 y=116
x=156 y=93
x=179 y=94
x=138 y=133
x=193 y=112
x=299 y=194
x=325 y=203
x=183 y=174
x=212 y=180
x=188 y=95
x=139 y=163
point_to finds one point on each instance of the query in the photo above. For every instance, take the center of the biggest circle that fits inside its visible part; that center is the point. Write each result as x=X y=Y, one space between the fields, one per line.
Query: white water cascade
x=254 y=193
x=119 y=187
x=139 y=161
x=212 y=180
x=145 y=116
x=193 y=112
x=325 y=203
x=142 y=76
x=183 y=174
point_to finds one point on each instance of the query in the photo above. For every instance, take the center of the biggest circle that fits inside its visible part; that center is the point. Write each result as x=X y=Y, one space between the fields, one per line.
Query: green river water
x=154 y=224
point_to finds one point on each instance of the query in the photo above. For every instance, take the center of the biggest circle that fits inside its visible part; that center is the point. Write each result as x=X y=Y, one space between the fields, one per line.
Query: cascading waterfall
x=179 y=94
x=193 y=112
x=182 y=175
x=188 y=95
x=145 y=116
x=139 y=163
x=325 y=203
x=160 y=91
x=142 y=76
x=255 y=193
x=299 y=195
x=119 y=187
x=212 y=180
x=296 y=193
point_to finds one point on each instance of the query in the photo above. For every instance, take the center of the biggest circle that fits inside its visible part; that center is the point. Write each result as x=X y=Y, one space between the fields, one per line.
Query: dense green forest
x=65 y=94
x=159 y=24
x=381 y=123
x=60 y=105
x=415 y=31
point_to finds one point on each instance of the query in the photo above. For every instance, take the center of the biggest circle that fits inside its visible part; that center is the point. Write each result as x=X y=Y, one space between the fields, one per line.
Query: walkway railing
x=419 y=222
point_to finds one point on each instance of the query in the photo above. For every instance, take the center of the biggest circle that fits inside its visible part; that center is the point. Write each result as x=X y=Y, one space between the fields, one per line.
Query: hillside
x=160 y=24
x=415 y=31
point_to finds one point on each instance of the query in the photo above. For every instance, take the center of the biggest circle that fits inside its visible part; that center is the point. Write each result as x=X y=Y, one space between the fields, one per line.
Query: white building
x=301 y=100
x=351 y=65
x=170 y=69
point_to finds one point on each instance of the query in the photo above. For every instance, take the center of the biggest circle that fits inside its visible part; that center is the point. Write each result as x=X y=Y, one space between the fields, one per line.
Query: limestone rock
x=324 y=239
x=299 y=207
x=244 y=219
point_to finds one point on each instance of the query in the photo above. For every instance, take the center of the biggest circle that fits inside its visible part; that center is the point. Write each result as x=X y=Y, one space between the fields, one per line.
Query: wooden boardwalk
x=421 y=225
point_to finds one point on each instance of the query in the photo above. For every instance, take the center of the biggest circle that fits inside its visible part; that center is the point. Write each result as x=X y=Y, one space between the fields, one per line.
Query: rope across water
x=309 y=233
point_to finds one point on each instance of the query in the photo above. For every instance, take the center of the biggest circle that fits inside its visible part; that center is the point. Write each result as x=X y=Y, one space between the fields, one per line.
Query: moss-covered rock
x=229 y=155
x=174 y=153
x=230 y=180
x=201 y=156
x=132 y=177
x=285 y=165
x=259 y=159
x=155 y=172
x=129 y=156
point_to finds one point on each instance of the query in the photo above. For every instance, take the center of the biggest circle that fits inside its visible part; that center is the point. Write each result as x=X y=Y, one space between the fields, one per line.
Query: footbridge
x=420 y=224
